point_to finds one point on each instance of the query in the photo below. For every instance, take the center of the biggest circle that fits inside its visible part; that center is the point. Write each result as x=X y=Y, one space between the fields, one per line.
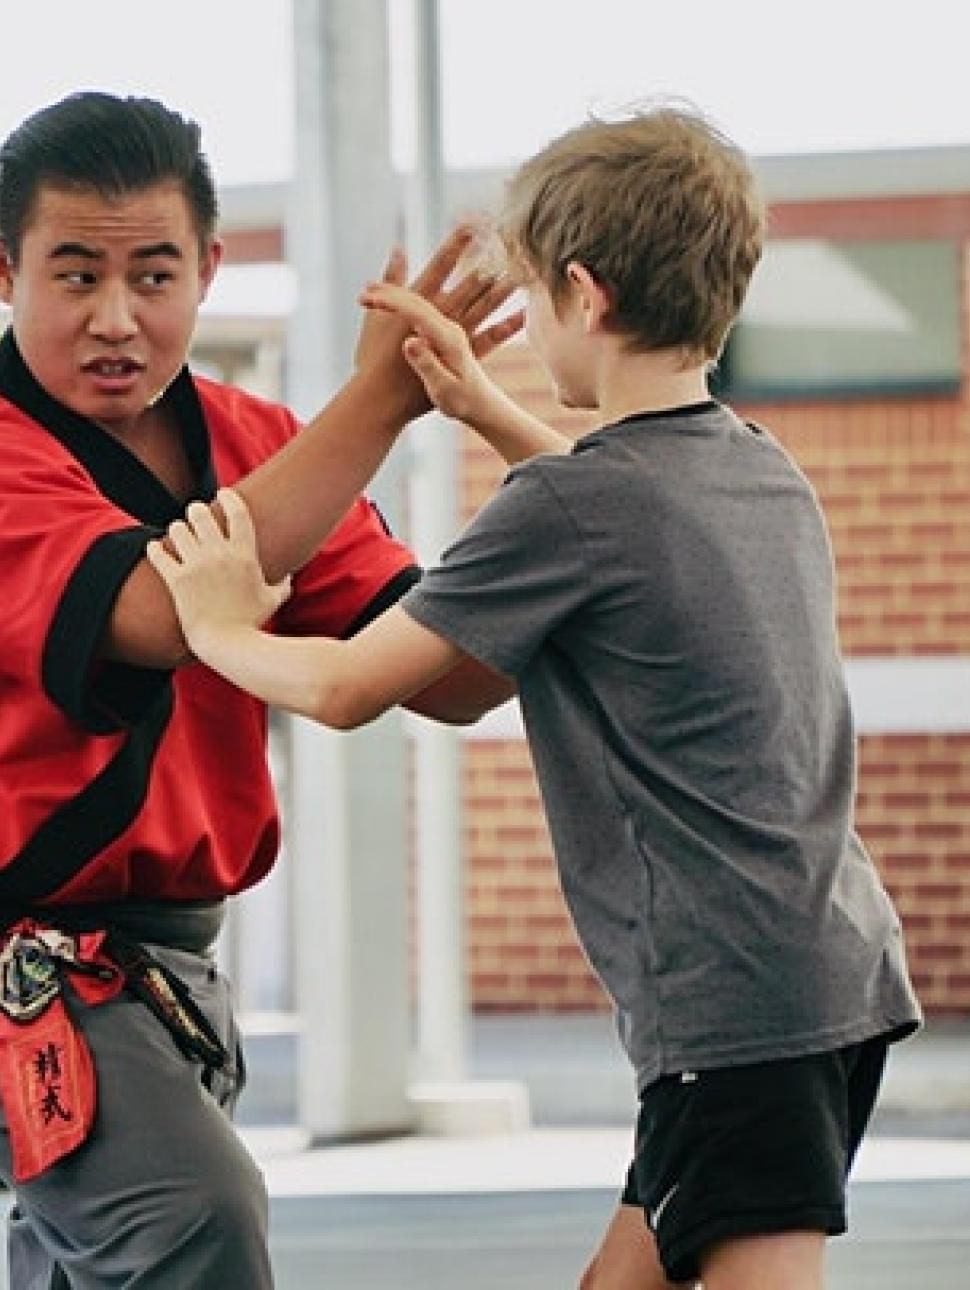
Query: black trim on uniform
x=77 y=832
x=100 y=696
x=388 y=595
x=108 y=696
x=118 y=473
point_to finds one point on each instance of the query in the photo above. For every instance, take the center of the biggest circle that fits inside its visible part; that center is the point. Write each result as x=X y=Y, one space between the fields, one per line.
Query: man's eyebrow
x=168 y=249
x=78 y=250
x=75 y=250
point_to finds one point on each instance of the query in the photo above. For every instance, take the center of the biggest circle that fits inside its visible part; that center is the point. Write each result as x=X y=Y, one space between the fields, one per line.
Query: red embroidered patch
x=47 y=1077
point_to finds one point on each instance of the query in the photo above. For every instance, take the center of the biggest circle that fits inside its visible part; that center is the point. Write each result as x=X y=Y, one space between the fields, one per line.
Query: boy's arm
x=222 y=598
x=447 y=361
x=299 y=495
x=463 y=695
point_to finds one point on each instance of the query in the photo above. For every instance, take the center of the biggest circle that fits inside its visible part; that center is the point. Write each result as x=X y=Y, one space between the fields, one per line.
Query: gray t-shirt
x=663 y=596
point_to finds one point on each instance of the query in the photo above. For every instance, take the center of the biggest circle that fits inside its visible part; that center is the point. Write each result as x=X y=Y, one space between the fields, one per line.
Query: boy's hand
x=215 y=578
x=469 y=303
x=444 y=351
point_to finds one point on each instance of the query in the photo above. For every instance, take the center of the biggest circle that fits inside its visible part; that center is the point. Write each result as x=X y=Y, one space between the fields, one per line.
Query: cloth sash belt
x=47 y=1077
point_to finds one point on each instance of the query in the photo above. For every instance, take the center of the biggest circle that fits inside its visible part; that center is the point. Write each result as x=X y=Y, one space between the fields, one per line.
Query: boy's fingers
x=399 y=300
x=283 y=589
x=160 y=560
x=202 y=521
x=420 y=314
x=427 y=365
x=239 y=522
x=182 y=538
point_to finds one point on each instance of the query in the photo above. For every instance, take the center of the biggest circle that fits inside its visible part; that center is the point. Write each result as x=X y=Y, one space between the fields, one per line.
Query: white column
x=442 y=993
x=346 y=819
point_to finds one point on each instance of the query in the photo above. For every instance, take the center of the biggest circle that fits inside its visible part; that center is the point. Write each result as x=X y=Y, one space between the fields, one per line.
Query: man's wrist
x=388 y=410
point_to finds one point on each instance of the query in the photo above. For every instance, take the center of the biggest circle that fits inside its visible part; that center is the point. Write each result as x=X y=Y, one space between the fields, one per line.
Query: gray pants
x=163 y=1194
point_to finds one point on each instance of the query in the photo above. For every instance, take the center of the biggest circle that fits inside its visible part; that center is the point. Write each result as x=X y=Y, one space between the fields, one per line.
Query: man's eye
x=157 y=277
x=78 y=277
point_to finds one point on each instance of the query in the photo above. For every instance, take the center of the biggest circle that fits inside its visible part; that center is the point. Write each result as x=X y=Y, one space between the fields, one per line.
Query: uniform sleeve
x=511 y=580
x=358 y=572
x=65 y=551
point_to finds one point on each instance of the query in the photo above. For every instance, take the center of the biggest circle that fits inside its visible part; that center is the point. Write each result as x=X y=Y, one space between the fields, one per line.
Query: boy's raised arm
x=446 y=359
x=297 y=496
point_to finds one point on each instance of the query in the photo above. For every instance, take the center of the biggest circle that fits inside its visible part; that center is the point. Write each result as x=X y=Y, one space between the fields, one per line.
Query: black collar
x=118 y=473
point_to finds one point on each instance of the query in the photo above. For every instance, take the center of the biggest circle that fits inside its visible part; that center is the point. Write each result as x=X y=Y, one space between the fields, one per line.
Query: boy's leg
x=794 y=1260
x=746 y=1166
x=162 y=1193
x=627 y=1256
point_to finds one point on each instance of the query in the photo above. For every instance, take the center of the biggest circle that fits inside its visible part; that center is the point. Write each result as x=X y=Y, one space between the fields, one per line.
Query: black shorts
x=748 y=1150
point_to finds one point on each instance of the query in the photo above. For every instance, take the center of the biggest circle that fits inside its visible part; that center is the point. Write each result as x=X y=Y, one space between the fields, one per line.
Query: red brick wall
x=894 y=480
x=913 y=811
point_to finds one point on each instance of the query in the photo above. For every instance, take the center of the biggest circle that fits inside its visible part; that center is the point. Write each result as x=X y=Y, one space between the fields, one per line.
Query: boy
x=662 y=593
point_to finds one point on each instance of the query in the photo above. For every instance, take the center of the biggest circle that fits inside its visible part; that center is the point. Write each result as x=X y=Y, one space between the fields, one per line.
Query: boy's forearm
x=514 y=433
x=305 y=675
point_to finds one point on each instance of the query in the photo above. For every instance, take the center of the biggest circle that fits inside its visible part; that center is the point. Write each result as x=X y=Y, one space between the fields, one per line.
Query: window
x=851 y=318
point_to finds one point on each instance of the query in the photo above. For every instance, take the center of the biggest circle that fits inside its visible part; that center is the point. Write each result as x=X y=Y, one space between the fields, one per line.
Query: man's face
x=105 y=297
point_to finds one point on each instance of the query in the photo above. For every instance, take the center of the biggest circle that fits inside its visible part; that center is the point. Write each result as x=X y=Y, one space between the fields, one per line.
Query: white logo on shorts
x=656 y=1213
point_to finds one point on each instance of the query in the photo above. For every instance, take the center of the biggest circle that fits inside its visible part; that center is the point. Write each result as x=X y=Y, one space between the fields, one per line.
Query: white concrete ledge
x=470 y=1108
x=910 y=695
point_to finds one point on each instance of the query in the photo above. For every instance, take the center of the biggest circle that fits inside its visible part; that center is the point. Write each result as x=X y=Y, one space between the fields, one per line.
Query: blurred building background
x=853 y=349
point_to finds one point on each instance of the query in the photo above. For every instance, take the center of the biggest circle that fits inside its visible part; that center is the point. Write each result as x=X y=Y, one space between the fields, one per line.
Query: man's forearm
x=299 y=495
x=296 y=498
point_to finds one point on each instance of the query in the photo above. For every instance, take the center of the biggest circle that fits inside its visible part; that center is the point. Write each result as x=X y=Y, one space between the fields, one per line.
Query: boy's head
x=106 y=145
x=663 y=212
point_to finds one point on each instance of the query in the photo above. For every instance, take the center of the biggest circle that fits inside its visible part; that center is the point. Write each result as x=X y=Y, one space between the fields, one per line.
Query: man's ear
x=595 y=299
x=211 y=259
x=6 y=275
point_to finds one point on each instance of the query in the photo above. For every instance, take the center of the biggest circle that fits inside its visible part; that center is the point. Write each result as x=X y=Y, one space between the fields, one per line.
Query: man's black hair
x=109 y=145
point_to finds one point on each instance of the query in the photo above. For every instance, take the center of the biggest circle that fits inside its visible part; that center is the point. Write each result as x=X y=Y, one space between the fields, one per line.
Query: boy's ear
x=595 y=299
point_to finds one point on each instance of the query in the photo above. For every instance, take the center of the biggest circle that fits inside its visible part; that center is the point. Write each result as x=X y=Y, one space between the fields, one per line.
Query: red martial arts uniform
x=116 y=782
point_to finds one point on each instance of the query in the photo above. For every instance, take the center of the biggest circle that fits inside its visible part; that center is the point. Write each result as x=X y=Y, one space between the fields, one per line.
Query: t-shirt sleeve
x=358 y=572
x=65 y=551
x=511 y=580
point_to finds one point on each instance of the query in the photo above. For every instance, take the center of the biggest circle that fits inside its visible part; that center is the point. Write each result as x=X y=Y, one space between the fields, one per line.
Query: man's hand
x=469 y=303
x=215 y=578
x=444 y=353
x=440 y=351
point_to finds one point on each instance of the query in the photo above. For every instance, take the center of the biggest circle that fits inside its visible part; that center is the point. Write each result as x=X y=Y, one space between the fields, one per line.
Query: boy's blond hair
x=660 y=207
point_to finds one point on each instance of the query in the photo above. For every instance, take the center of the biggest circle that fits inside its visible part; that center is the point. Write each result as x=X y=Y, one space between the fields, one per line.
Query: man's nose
x=112 y=316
